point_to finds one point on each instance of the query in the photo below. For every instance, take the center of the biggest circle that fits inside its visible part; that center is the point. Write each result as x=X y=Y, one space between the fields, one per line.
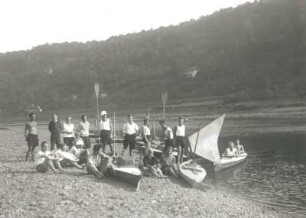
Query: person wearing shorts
x=55 y=132
x=31 y=136
x=179 y=132
x=105 y=132
x=168 y=134
x=146 y=132
x=68 y=132
x=83 y=129
x=130 y=131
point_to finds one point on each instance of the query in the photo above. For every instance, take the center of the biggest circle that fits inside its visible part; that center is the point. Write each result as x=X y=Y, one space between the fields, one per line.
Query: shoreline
x=75 y=194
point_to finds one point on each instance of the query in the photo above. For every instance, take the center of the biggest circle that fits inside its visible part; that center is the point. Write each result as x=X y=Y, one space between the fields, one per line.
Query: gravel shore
x=25 y=193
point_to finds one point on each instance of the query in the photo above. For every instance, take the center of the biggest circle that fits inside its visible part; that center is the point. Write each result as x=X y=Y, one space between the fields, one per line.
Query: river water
x=278 y=179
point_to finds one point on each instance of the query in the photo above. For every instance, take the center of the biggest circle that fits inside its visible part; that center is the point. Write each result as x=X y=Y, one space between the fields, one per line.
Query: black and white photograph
x=165 y=108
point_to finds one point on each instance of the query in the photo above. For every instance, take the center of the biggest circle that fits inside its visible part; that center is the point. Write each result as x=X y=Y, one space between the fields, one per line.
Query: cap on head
x=103 y=113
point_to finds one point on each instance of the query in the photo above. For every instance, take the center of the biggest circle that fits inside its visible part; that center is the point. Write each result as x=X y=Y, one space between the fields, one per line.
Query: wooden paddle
x=164 y=97
x=97 y=90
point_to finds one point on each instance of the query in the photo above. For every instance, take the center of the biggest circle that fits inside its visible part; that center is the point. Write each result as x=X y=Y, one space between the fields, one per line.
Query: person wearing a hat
x=105 y=126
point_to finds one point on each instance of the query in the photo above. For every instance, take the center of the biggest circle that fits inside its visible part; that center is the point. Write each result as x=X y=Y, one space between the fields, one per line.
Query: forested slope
x=254 y=51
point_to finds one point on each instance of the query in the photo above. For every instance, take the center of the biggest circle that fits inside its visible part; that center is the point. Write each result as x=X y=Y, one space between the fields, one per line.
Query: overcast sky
x=28 y=23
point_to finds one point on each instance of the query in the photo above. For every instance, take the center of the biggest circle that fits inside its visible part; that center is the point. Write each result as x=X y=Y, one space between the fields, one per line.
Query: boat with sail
x=204 y=143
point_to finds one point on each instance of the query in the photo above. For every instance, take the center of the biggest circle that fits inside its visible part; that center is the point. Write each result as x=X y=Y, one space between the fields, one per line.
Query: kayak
x=192 y=172
x=226 y=162
x=129 y=174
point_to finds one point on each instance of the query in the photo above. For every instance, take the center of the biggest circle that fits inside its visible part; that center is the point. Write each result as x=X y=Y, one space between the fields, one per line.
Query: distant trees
x=257 y=50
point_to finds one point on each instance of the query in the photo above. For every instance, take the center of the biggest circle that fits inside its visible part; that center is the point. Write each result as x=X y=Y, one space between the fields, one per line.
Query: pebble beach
x=26 y=193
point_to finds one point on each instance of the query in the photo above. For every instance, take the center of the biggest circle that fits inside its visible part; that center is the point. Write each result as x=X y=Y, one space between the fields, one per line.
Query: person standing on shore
x=55 y=130
x=83 y=129
x=68 y=132
x=168 y=134
x=31 y=135
x=146 y=132
x=130 y=131
x=105 y=126
x=179 y=132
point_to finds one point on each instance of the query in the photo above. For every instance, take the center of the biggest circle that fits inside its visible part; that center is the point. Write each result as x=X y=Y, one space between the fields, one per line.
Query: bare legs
x=30 y=151
x=49 y=163
x=180 y=154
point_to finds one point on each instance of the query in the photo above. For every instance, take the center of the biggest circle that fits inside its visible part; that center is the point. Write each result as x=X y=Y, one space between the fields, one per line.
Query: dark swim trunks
x=32 y=140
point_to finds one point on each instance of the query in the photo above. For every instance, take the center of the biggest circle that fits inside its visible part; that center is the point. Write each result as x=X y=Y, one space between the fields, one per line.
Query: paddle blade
x=97 y=89
x=164 y=97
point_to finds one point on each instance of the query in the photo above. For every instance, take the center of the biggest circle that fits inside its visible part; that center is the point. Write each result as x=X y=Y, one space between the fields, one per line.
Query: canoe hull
x=226 y=162
x=192 y=177
x=130 y=175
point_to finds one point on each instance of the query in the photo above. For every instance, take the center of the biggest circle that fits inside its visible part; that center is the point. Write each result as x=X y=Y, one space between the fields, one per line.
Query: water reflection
x=278 y=180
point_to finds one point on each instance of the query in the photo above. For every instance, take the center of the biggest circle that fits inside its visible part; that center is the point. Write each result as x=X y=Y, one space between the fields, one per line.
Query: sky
x=28 y=23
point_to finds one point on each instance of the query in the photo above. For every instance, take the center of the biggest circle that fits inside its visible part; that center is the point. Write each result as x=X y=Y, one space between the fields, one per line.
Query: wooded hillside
x=254 y=51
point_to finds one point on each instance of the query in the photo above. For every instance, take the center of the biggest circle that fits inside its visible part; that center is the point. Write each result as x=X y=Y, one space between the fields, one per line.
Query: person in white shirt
x=45 y=160
x=83 y=129
x=179 y=132
x=130 y=131
x=105 y=127
x=231 y=151
x=146 y=131
x=168 y=134
x=68 y=132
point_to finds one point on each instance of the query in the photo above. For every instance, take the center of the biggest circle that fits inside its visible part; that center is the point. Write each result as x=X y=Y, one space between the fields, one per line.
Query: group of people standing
x=66 y=136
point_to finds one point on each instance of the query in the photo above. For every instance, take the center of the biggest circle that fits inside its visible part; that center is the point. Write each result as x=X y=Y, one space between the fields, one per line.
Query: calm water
x=278 y=180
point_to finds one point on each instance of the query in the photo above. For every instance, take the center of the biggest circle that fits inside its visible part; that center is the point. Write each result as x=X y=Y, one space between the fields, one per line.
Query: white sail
x=205 y=141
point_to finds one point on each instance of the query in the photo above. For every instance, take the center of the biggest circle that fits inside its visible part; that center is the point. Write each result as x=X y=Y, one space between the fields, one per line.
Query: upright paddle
x=97 y=90
x=164 y=97
x=114 y=133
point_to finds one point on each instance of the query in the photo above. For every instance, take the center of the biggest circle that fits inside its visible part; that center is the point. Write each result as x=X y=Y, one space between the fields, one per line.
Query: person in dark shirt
x=55 y=130
x=151 y=164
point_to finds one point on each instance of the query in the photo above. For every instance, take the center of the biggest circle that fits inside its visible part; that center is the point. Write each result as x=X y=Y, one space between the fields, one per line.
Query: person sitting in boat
x=66 y=158
x=45 y=160
x=239 y=147
x=168 y=163
x=168 y=134
x=151 y=164
x=179 y=132
x=97 y=163
x=231 y=151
